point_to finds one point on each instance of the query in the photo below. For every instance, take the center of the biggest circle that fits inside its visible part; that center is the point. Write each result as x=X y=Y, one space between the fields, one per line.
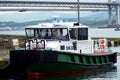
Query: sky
x=42 y=15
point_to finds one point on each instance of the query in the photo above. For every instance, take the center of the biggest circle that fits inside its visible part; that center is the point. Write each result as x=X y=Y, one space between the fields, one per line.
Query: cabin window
x=59 y=33
x=79 y=33
x=49 y=33
x=30 y=32
x=82 y=33
x=73 y=33
x=36 y=33
x=62 y=34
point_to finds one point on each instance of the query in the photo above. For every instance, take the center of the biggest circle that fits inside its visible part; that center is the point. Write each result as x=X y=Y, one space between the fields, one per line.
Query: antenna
x=78 y=6
x=78 y=14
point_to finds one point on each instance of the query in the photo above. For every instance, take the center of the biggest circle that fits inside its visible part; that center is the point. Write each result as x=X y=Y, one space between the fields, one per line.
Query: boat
x=60 y=48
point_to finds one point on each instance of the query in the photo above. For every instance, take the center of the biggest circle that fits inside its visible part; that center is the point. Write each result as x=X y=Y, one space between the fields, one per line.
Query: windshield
x=48 y=33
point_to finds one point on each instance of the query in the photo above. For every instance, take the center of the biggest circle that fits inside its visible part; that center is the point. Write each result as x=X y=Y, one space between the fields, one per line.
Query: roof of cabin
x=56 y=25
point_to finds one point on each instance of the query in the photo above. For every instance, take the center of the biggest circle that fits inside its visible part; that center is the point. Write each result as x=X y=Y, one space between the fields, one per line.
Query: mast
x=78 y=6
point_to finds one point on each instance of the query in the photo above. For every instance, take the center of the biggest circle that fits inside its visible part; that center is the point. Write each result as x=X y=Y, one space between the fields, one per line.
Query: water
x=104 y=32
x=13 y=32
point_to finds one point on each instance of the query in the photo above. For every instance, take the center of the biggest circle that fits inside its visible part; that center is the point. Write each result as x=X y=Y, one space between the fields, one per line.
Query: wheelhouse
x=59 y=38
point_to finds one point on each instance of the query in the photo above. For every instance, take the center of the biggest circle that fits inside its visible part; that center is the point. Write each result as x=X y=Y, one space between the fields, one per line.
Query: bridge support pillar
x=118 y=15
x=110 y=16
x=114 y=16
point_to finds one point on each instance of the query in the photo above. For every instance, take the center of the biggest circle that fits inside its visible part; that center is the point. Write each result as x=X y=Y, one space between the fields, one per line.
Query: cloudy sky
x=40 y=15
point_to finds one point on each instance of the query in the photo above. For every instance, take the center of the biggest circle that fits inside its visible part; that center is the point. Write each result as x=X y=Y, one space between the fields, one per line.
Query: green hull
x=56 y=67
x=59 y=62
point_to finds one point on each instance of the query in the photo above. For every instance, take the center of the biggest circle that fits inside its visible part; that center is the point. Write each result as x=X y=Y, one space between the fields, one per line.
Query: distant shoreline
x=6 y=41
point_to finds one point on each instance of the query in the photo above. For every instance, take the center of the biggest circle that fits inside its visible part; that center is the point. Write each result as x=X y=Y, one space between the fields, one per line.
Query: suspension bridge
x=21 y=6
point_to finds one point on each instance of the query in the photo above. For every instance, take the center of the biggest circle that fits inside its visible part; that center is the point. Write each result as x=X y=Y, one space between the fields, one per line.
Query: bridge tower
x=114 y=14
x=118 y=12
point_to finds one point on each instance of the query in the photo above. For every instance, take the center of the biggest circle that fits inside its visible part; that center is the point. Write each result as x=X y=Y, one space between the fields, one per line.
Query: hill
x=96 y=20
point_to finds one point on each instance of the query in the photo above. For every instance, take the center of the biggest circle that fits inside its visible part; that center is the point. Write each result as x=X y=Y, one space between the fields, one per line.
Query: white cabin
x=62 y=36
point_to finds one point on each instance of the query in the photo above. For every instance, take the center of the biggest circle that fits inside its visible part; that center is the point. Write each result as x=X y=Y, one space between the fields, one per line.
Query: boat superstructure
x=62 y=36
